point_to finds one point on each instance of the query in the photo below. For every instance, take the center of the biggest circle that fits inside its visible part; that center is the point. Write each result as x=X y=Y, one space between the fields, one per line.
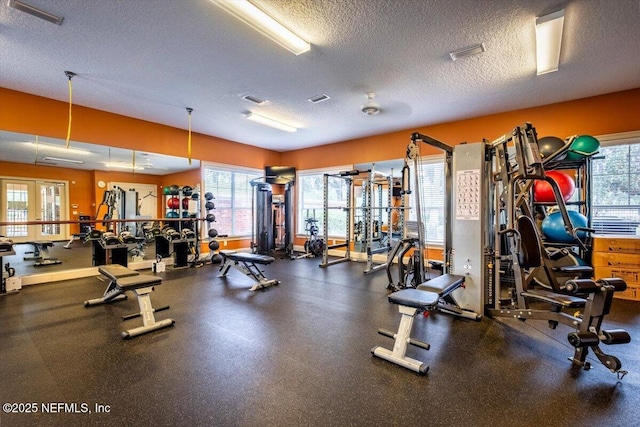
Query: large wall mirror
x=43 y=180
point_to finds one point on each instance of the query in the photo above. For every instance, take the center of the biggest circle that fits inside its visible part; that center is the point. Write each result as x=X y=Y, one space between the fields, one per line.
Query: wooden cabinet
x=618 y=256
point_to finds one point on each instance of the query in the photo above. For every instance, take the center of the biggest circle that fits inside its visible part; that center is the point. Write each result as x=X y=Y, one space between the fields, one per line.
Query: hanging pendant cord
x=69 y=74
x=189 y=110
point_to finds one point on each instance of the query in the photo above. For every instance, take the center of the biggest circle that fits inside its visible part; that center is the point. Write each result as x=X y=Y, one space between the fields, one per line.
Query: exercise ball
x=174 y=190
x=165 y=190
x=543 y=193
x=553 y=227
x=185 y=214
x=195 y=196
x=550 y=145
x=173 y=203
x=186 y=190
x=172 y=214
x=185 y=203
x=583 y=146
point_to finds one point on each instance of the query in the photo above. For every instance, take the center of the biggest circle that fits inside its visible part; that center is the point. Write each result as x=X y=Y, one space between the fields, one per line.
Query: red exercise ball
x=173 y=203
x=542 y=192
x=185 y=203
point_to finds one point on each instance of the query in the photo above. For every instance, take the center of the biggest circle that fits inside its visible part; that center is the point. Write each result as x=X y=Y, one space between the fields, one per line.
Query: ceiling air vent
x=255 y=100
x=319 y=98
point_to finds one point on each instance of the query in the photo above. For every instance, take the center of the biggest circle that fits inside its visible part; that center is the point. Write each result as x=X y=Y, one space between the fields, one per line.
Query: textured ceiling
x=150 y=59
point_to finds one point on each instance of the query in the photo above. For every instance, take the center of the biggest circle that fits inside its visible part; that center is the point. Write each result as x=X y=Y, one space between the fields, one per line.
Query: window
x=310 y=186
x=231 y=187
x=432 y=197
x=616 y=185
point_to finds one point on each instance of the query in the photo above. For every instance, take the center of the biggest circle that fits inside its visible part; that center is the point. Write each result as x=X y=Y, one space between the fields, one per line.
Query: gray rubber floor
x=294 y=355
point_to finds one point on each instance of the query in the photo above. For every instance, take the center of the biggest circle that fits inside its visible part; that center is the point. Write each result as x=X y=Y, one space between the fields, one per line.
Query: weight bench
x=121 y=280
x=410 y=302
x=444 y=285
x=41 y=253
x=246 y=263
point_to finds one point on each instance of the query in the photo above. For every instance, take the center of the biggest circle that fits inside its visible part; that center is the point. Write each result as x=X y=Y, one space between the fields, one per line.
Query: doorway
x=34 y=200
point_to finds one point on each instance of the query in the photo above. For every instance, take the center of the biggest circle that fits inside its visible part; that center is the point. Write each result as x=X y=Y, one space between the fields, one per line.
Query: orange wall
x=598 y=115
x=21 y=112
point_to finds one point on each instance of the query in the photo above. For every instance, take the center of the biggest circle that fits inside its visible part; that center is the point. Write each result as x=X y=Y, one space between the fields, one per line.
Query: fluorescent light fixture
x=260 y=21
x=58 y=148
x=549 y=41
x=467 y=52
x=114 y=165
x=38 y=13
x=270 y=122
x=58 y=159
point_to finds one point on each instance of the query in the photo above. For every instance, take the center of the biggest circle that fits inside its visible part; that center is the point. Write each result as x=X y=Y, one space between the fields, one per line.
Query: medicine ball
x=216 y=259
x=208 y=195
x=213 y=233
x=186 y=190
x=550 y=145
x=209 y=205
x=543 y=193
x=210 y=218
x=553 y=227
x=583 y=146
x=214 y=245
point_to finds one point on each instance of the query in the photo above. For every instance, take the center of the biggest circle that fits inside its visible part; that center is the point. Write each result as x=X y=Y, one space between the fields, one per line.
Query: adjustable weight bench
x=121 y=280
x=41 y=253
x=411 y=302
x=444 y=285
x=246 y=263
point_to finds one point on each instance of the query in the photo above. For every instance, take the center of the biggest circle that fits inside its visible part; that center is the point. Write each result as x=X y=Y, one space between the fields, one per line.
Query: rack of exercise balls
x=210 y=218
x=183 y=203
x=571 y=171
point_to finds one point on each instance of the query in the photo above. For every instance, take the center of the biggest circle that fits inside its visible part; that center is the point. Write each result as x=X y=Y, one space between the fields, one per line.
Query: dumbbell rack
x=180 y=245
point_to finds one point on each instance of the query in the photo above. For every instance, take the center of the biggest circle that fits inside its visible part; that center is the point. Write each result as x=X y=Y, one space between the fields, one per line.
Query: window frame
x=612 y=140
x=221 y=167
x=430 y=159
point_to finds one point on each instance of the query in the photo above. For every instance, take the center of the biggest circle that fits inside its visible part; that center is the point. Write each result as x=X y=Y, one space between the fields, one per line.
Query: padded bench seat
x=442 y=285
x=244 y=256
x=116 y=271
x=139 y=281
x=422 y=300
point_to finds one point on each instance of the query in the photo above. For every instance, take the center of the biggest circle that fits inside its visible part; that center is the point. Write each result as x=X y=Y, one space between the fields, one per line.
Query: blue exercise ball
x=172 y=214
x=553 y=227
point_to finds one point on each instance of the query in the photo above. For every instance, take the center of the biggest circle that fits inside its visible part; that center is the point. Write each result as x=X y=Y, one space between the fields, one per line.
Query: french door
x=33 y=200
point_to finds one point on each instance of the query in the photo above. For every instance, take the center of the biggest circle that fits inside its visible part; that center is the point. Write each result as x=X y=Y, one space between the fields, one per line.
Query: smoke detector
x=370 y=108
